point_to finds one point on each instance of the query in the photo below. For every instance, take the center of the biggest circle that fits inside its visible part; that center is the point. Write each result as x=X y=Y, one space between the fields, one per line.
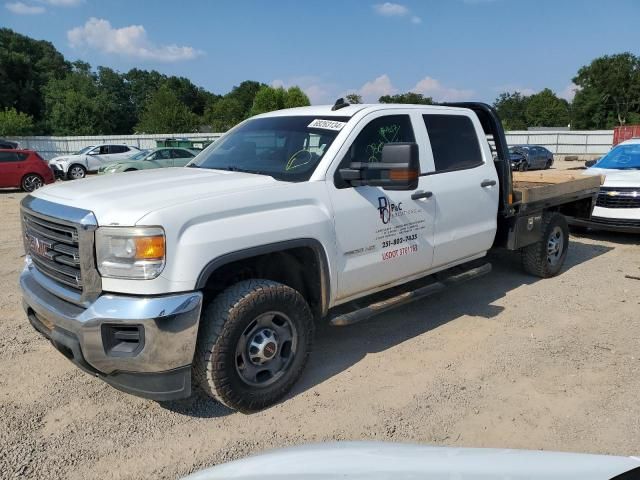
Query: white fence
x=586 y=143
x=49 y=147
x=576 y=142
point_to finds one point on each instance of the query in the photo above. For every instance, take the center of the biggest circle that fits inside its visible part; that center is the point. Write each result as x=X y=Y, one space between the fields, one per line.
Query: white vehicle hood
x=378 y=461
x=64 y=158
x=616 y=178
x=123 y=199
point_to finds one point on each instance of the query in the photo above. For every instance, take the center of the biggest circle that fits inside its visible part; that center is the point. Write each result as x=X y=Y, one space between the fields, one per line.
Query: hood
x=126 y=198
x=377 y=461
x=616 y=178
x=62 y=158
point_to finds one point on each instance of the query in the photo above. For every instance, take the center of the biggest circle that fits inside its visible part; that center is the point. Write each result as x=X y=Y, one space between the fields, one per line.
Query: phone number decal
x=399 y=240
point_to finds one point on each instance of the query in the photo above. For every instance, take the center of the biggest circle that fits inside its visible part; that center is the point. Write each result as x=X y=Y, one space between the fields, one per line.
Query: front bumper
x=162 y=332
x=57 y=171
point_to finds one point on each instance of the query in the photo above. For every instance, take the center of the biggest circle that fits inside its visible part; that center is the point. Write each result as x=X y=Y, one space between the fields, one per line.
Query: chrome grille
x=54 y=249
x=624 y=197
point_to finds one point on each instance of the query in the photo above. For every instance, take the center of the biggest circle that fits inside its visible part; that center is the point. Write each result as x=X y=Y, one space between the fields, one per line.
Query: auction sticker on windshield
x=327 y=124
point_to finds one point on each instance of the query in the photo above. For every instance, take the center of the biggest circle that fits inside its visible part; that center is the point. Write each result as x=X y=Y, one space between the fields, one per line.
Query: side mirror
x=590 y=163
x=398 y=169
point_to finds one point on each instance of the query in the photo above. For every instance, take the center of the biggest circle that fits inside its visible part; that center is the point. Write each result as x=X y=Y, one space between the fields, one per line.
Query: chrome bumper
x=168 y=326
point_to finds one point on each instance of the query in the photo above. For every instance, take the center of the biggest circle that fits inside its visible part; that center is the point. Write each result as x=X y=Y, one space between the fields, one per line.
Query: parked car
x=6 y=144
x=406 y=461
x=23 y=169
x=530 y=157
x=158 y=158
x=220 y=272
x=89 y=159
x=618 y=204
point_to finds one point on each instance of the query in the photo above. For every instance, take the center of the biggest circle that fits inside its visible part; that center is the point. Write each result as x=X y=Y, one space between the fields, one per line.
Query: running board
x=441 y=281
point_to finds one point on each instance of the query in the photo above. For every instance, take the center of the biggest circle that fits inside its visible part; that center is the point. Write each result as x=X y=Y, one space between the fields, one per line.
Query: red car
x=23 y=169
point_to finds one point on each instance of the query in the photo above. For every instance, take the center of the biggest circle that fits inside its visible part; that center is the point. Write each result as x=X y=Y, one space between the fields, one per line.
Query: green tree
x=224 y=114
x=512 y=110
x=26 y=66
x=117 y=92
x=165 y=113
x=14 y=123
x=269 y=99
x=609 y=91
x=75 y=105
x=545 y=109
x=353 y=98
x=409 y=97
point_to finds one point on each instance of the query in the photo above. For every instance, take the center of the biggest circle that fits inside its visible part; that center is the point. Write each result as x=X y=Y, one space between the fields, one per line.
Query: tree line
x=41 y=93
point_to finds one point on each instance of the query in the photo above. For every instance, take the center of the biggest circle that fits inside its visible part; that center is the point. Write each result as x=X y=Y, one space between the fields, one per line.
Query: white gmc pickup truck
x=219 y=271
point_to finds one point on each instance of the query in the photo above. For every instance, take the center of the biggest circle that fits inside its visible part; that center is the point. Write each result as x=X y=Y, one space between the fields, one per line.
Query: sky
x=448 y=49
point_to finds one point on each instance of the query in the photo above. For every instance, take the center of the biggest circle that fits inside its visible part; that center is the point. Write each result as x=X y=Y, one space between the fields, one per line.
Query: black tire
x=227 y=326
x=548 y=165
x=131 y=170
x=31 y=182
x=545 y=258
x=523 y=167
x=76 y=172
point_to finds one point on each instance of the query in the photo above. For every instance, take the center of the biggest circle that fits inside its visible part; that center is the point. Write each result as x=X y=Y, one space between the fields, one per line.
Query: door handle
x=421 y=194
x=487 y=183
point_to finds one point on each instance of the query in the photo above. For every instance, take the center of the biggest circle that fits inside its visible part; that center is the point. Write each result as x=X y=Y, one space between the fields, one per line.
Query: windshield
x=285 y=148
x=140 y=155
x=622 y=157
x=84 y=150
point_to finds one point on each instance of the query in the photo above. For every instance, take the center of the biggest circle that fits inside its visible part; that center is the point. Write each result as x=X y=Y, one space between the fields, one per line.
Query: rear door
x=382 y=236
x=465 y=186
x=180 y=157
x=10 y=169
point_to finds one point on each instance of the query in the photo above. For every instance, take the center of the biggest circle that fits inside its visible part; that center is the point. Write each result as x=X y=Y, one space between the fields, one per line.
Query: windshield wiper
x=233 y=168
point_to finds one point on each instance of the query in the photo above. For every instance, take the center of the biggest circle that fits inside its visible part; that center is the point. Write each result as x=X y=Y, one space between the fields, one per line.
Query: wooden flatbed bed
x=546 y=185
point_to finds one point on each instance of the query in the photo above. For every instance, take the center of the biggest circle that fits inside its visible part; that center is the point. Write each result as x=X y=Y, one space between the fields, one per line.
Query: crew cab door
x=382 y=236
x=464 y=183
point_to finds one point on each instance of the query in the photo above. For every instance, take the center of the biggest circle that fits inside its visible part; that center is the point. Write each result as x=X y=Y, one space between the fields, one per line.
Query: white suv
x=89 y=159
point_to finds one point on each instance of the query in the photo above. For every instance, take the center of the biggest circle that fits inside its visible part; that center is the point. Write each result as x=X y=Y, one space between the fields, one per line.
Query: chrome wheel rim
x=266 y=349
x=555 y=246
x=32 y=183
x=76 y=172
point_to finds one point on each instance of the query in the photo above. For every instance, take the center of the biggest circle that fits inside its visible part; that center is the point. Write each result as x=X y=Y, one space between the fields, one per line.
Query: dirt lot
x=506 y=361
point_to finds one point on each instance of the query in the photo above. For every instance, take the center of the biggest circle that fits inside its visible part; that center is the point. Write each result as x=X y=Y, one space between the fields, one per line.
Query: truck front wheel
x=545 y=258
x=253 y=343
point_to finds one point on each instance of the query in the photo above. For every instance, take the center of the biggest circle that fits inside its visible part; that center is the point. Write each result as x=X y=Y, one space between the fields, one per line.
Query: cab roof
x=350 y=110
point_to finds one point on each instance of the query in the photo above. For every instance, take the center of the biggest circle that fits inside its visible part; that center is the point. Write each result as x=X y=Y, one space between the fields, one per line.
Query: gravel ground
x=506 y=361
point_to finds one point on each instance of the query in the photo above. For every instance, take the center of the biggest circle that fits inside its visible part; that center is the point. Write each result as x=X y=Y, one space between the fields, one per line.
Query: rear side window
x=181 y=154
x=6 y=157
x=453 y=141
x=118 y=149
x=23 y=156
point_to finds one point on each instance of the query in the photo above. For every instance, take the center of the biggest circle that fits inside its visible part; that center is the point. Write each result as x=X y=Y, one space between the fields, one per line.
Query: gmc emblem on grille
x=36 y=246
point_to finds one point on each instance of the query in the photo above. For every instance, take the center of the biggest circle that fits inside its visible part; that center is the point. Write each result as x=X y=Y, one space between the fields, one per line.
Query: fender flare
x=315 y=245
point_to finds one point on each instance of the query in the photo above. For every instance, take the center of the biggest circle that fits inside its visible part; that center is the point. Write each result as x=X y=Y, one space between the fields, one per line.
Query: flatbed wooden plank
x=529 y=187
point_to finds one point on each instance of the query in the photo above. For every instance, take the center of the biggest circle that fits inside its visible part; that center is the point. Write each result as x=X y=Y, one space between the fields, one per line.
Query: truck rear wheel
x=253 y=344
x=545 y=258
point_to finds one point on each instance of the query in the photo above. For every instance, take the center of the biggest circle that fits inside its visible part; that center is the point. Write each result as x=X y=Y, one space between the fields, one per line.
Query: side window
x=23 y=156
x=104 y=149
x=6 y=157
x=163 y=155
x=181 y=154
x=367 y=147
x=454 y=142
x=118 y=149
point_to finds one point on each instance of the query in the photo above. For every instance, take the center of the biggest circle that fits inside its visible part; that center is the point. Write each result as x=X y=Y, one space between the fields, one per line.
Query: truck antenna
x=340 y=103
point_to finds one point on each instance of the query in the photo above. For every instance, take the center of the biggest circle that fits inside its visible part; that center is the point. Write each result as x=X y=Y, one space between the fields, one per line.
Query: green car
x=158 y=158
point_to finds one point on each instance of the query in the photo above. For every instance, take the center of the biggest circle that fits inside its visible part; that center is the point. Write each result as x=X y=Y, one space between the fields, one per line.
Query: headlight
x=130 y=252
